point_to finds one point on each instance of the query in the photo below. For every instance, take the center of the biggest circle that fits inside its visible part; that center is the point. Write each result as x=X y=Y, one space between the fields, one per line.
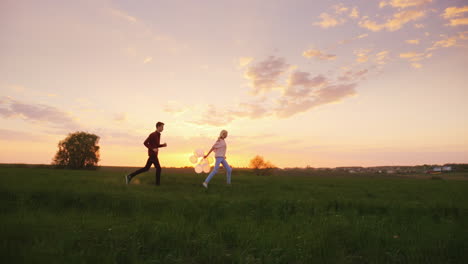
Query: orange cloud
x=244 y=61
x=404 y=3
x=318 y=54
x=382 y=57
x=413 y=41
x=340 y=8
x=412 y=56
x=397 y=22
x=354 y=13
x=362 y=55
x=454 y=14
x=148 y=60
x=451 y=12
x=329 y=21
x=445 y=43
x=341 y=13
x=458 y=22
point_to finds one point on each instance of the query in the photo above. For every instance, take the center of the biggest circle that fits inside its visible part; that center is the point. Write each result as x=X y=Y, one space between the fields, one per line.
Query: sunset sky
x=301 y=83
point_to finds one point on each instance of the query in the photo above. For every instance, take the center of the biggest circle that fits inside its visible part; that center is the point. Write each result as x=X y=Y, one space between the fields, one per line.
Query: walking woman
x=219 y=149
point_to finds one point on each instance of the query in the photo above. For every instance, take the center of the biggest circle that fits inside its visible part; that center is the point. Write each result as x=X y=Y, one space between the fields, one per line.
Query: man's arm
x=147 y=142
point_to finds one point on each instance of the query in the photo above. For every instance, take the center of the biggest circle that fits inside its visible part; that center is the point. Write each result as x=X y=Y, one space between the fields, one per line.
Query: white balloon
x=204 y=161
x=198 y=168
x=199 y=153
x=193 y=159
x=206 y=168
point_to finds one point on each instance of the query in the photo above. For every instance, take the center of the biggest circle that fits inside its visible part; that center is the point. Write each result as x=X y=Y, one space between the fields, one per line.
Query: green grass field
x=66 y=216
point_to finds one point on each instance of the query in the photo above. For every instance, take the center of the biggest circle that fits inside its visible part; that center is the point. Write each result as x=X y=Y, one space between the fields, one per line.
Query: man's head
x=159 y=127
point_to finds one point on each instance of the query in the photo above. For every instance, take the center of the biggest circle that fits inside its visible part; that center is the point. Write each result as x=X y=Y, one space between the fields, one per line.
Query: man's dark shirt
x=153 y=141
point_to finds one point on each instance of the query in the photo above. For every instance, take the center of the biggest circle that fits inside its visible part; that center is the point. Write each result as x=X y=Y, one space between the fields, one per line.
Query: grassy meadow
x=71 y=216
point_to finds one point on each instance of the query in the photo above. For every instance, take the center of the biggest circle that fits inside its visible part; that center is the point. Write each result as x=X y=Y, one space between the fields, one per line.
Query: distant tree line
x=260 y=166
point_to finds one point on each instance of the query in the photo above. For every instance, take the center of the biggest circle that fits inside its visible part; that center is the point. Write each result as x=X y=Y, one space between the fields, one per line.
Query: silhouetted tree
x=260 y=166
x=77 y=151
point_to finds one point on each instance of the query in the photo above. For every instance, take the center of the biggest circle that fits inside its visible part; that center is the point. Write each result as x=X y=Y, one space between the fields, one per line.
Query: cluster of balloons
x=203 y=164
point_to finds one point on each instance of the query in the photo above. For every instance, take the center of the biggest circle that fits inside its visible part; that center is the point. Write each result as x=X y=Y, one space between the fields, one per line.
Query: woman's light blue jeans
x=216 y=167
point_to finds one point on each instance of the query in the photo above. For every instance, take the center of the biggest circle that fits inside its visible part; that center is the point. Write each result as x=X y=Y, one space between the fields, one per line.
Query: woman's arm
x=208 y=153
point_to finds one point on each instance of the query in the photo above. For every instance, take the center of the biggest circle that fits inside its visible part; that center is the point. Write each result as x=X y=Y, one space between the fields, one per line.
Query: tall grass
x=66 y=216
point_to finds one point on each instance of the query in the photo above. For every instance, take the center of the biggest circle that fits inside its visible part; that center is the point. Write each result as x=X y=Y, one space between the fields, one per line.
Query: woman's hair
x=221 y=133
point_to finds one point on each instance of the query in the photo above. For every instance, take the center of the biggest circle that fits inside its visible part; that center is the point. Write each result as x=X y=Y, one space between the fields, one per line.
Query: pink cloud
x=301 y=84
x=37 y=113
x=265 y=74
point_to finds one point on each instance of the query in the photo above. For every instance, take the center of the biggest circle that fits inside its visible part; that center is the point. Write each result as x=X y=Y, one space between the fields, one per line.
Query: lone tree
x=77 y=151
x=260 y=166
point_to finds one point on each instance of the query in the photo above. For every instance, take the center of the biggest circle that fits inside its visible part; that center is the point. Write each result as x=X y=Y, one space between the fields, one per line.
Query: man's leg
x=158 y=170
x=146 y=168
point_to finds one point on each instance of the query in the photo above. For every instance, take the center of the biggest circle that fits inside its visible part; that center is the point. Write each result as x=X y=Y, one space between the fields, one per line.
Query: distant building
x=447 y=168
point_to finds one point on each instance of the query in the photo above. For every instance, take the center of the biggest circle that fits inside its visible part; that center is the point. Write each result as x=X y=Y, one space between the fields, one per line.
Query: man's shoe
x=205 y=185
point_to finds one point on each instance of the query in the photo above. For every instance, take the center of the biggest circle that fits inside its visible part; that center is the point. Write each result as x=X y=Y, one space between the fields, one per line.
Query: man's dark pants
x=151 y=160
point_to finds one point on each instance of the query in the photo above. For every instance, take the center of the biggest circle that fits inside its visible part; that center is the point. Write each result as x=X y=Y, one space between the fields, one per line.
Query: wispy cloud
x=252 y=110
x=122 y=15
x=395 y=23
x=314 y=53
x=448 y=41
x=362 y=55
x=339 y=16
x=349 y=76
x=301 y=84
x=458 y=21
x=264 y=75
x=244 y=61
x=412 y=41
x=404 y=3
x=452 y=12
x=415 y=58
x=11 y=108
x=354 y=13
x=300 y=92
x=214 y=117
x=328 y=21
x=412 y=56
x=455 y=15
x=289 y=106
x=148 y=60
x=382 y=57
